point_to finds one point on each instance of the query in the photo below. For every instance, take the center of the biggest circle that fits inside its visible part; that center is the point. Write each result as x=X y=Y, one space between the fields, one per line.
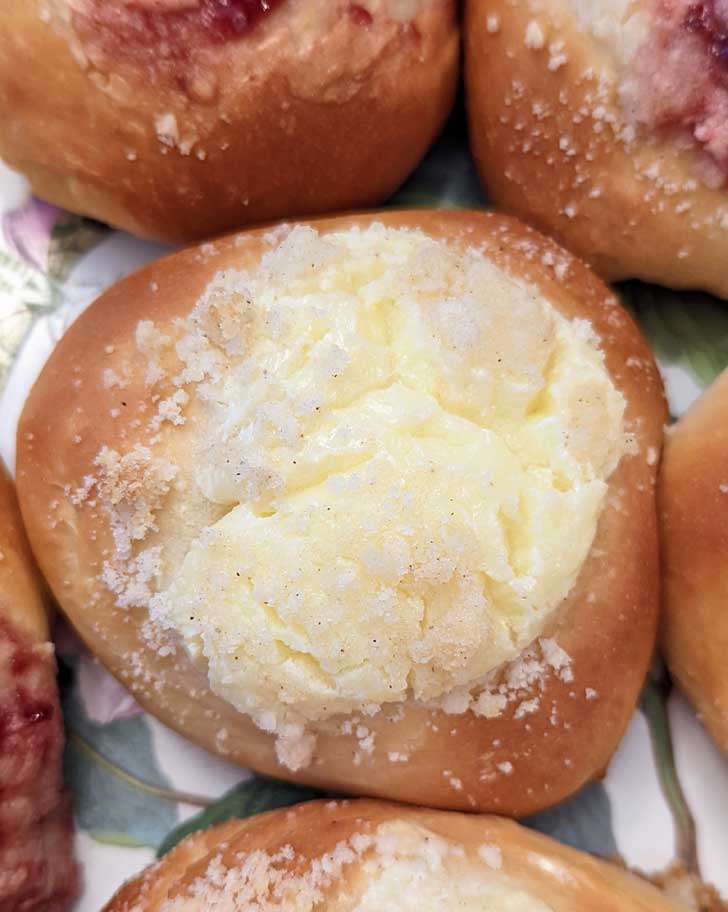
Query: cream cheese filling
x=412 y=452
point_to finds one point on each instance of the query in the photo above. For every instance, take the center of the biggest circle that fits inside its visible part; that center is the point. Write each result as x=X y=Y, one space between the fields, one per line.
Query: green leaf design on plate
x=27 y=285
x=72 y=236
x=102 y=765
x=112 y=838
x=134 y=782
x=24 y=292
x=687 y=329
x=653 y=703
x=583 y=821
x=253 y=796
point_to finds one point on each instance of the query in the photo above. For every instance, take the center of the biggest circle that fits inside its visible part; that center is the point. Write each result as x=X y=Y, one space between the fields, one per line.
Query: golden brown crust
x=547 y=143
x=694 y=518
x=511 y=764
x=562 y=878
x=311 y=112
x=21 y=599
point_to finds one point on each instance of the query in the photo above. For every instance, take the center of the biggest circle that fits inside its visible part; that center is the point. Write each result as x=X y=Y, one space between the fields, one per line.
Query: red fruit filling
x=680 y=77
x=37 y=873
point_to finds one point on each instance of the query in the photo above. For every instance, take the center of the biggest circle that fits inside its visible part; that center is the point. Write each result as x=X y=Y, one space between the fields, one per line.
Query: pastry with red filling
x=177 y=119
x=37 y=872
x=605 y=123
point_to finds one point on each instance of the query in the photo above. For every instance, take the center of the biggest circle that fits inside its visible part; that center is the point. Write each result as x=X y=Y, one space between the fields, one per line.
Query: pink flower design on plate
x=104 y=698
x=28 y=230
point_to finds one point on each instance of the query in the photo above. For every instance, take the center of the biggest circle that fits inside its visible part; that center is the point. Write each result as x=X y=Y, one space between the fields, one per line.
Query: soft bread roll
x=361 y=856
x=178 y=119
x=603 y=123
x=694 y=519
x=371 y=511
x=37 y=872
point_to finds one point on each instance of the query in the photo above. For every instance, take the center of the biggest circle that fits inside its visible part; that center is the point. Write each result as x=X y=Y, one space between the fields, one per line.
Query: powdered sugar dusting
x=266 y=882
x=491 y=855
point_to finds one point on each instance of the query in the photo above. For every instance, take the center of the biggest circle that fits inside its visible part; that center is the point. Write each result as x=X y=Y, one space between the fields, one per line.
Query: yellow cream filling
x=412 y=449
x=414 y=870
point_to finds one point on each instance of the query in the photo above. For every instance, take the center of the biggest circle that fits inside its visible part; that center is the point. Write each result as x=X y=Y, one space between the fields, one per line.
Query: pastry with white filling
x=366 y=502
x=367 y=856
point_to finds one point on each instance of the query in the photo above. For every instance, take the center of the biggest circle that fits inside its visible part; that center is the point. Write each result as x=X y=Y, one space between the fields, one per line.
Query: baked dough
x=694 y=519
x=177 y=120
x=122 y=475
x=596 y=120
x=361 y=856
x=37 y=872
